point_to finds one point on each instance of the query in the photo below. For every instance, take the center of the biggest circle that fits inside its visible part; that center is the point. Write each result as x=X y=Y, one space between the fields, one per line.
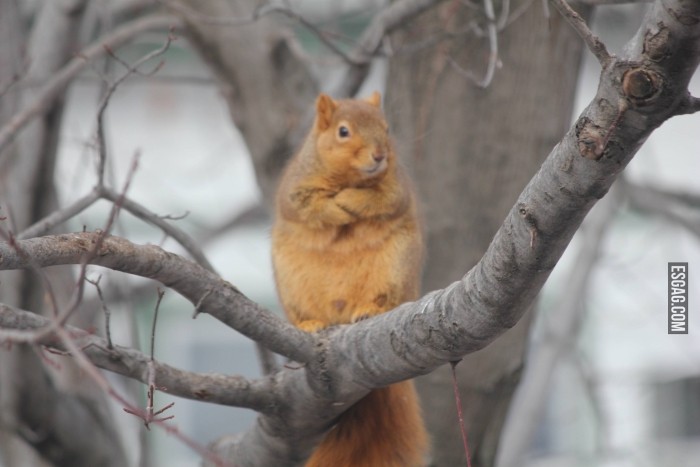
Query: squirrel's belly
x=328 y=287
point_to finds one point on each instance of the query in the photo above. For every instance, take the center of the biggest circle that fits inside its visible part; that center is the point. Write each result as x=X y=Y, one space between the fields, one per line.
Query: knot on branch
x=641 y=85
x=590 y=138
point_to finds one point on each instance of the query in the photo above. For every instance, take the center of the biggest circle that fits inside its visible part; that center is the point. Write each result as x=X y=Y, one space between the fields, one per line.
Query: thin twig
x=503 y=15
x=44 y=225
x=46 y=96
x=173 y=231
x=130 y=69
x=170 y=217
x=227 y=390
x=492 y=28
x=259 y=12
x=397 y=14
x=91 y=370
x=460 y=414
x=198 y=305
x=119 y=201
x=595 y=45
x=161 y=293
x=105 y=309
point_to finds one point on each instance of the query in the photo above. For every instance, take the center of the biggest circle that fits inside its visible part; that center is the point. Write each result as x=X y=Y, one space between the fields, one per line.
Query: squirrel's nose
x=378 y=156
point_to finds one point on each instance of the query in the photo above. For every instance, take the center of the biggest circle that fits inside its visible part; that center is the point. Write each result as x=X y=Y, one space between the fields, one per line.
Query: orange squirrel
x=347 y=245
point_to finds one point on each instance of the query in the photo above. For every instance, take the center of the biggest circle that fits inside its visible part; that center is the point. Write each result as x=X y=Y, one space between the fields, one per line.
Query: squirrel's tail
x=384 y=429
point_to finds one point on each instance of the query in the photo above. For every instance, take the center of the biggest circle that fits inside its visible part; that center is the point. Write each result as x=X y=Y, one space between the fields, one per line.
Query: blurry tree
x=477 y=94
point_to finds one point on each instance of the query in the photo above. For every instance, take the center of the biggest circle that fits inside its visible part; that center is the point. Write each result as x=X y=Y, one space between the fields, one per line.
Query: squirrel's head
x=352 y=139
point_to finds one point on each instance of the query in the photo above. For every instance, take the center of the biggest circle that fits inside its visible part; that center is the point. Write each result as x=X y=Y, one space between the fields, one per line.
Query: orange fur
x=346 y=245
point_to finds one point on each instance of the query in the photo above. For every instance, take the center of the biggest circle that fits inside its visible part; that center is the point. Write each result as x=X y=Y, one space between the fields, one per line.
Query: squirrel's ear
x=375 y=99
x=325 y=107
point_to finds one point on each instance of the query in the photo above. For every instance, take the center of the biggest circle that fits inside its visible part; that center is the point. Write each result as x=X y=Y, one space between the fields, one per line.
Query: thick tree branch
x=207 y=291
x=215 y=388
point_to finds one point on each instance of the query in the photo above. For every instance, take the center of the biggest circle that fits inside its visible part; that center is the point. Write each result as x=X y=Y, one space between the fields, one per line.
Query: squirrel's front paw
x=351 y=201
x=360 y=315
x=310 y=325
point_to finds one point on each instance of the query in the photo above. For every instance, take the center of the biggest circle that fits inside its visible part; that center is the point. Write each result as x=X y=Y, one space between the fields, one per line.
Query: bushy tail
x=385 y=429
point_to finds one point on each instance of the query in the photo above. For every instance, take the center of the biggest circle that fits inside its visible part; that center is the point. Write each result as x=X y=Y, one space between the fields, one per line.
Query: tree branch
x=595 y=45
x=203 y=288
x=384 y=23
x=101 y=192
x=259 y=12
x=235 y=391
x=50 y=91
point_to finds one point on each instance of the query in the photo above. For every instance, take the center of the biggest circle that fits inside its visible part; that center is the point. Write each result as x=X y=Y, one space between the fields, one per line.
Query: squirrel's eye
x=343 y=131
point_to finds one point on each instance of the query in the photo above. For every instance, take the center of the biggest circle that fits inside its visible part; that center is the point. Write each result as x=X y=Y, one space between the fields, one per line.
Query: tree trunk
x=509 y=127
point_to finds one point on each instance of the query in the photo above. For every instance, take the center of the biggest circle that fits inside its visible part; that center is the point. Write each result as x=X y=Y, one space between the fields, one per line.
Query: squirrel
x=347 y=245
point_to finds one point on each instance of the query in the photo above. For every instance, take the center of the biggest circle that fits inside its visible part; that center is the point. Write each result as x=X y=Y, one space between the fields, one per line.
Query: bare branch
x=94 y=374
x=392 y=17
x=595 y=45
x=234 y=391
x=492 y=29
x=130 y=69
x=259 y=12
x=46 y=96
x=161 y=293
x=105 y=310
x=170 y=229
x=223 y=301
x=58 y=217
